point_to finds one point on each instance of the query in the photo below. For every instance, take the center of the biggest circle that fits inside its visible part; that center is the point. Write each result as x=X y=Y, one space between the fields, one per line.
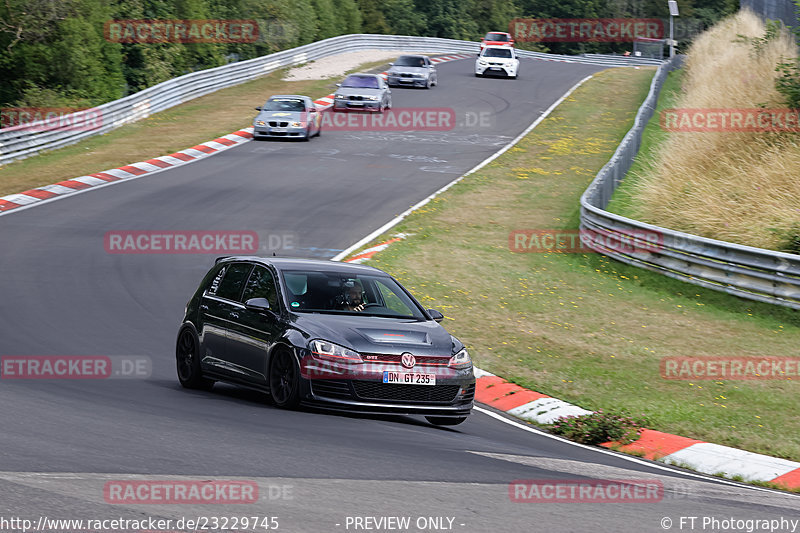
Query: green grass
x=582 y=327
x=623 y=201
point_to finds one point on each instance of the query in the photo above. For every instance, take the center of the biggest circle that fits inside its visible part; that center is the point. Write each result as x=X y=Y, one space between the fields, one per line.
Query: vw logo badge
x=408 y=360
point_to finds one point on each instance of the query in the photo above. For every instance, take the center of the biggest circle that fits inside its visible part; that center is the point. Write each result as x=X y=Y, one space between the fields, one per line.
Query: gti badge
x=407 y=360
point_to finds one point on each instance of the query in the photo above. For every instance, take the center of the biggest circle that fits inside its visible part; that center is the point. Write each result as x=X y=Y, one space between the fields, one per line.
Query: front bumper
x=356 y=105
x=406 y=81
x=361 y=389
x=278 y=132
x=500 y=70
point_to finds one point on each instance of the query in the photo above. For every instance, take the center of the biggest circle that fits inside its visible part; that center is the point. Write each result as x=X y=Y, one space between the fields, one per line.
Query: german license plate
x=409 y=378
x=277 y=130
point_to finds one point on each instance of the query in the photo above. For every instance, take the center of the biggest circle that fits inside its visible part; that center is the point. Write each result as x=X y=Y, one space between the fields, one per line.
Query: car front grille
x=422 y=360
x=406 y=75
x=331 y=389
x=276 y=124
x=357 y=98
x=374 y=390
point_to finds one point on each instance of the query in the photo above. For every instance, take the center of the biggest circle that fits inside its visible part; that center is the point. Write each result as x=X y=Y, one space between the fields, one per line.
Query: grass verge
x=582 y=327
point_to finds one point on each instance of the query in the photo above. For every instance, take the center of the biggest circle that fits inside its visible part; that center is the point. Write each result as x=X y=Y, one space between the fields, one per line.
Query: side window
x=261 y=285
x=231 y=285
x=212 y=288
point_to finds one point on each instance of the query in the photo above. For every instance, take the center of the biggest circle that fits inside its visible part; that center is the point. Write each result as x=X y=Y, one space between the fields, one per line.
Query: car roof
x=412 y=55
x=363 y=74
x=292 y=263
x=497 y=47
x=290 y=96
x=500 y=32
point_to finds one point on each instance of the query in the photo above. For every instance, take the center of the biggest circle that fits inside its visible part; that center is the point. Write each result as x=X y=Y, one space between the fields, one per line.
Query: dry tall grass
x=734 y=186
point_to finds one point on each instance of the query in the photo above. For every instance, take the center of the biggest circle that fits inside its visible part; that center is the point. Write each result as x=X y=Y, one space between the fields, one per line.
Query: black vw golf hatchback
x=323 y=333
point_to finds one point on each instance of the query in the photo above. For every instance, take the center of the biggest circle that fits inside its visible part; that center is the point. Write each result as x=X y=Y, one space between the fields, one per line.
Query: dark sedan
x=323 y=333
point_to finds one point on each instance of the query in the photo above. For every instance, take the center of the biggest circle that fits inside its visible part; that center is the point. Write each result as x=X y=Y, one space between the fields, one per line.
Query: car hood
x=497 y=59
x=281 y=115
x=377 y=335
x=358 y=91
x=409 y=70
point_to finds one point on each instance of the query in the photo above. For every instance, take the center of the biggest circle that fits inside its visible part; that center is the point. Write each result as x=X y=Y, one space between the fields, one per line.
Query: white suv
x=497 y=60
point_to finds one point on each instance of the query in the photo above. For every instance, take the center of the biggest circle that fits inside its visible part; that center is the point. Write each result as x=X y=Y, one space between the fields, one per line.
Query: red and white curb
x=68 y=187
x=134 y=170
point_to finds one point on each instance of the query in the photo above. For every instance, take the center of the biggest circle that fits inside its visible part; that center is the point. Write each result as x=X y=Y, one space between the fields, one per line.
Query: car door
x=219 y=306
x=387 y=93
x=433 y=74
x=313 y=118
x=252 y=335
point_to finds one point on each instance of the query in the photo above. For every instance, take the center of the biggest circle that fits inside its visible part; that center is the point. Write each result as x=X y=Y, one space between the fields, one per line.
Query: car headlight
x=481 y=62
x=375 y=98
x=340 y=97
x=329 y=351
x=296 y=124
x=461 y=360
x=260 y=123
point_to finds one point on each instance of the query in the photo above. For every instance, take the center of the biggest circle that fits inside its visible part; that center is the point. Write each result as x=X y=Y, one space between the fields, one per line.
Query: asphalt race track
x=63 y=294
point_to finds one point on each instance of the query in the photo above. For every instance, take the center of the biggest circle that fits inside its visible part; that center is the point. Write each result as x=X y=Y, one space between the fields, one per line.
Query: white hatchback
x=500 y=60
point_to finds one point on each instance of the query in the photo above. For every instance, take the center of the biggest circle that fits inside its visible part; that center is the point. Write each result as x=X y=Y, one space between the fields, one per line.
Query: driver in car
x=353 y=298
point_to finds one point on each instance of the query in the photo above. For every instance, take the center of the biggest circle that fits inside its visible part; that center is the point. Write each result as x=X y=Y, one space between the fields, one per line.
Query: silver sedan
x=413 y=71
x=287 y=116
x=362 y=92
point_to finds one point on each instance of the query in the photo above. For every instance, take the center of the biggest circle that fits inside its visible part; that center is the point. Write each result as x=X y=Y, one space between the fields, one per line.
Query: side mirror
x=258 y=108
x=312 y=109
x=338 y=84
x=391 y=64
x=258 y=305
x=436 y=315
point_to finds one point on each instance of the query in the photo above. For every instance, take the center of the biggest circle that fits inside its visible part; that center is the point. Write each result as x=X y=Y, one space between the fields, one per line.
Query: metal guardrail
x=23 y=141
x=744 y=271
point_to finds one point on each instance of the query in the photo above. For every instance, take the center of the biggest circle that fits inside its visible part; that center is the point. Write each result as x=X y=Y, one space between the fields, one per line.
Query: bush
x=599 y=427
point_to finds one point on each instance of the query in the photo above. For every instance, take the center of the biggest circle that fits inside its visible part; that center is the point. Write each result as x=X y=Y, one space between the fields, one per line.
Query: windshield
x=497 y=37
x=409 y=61
x=284 y=104
x=348 y=294
x=361 y=82
x=496 y=52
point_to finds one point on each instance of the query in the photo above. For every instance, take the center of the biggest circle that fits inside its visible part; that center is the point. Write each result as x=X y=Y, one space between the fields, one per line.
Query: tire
x=307 y=136
x=319 y=131
x=428 y=83
x=187 y=360
x=444 y=420
x=478 y=75
x=284 y=379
